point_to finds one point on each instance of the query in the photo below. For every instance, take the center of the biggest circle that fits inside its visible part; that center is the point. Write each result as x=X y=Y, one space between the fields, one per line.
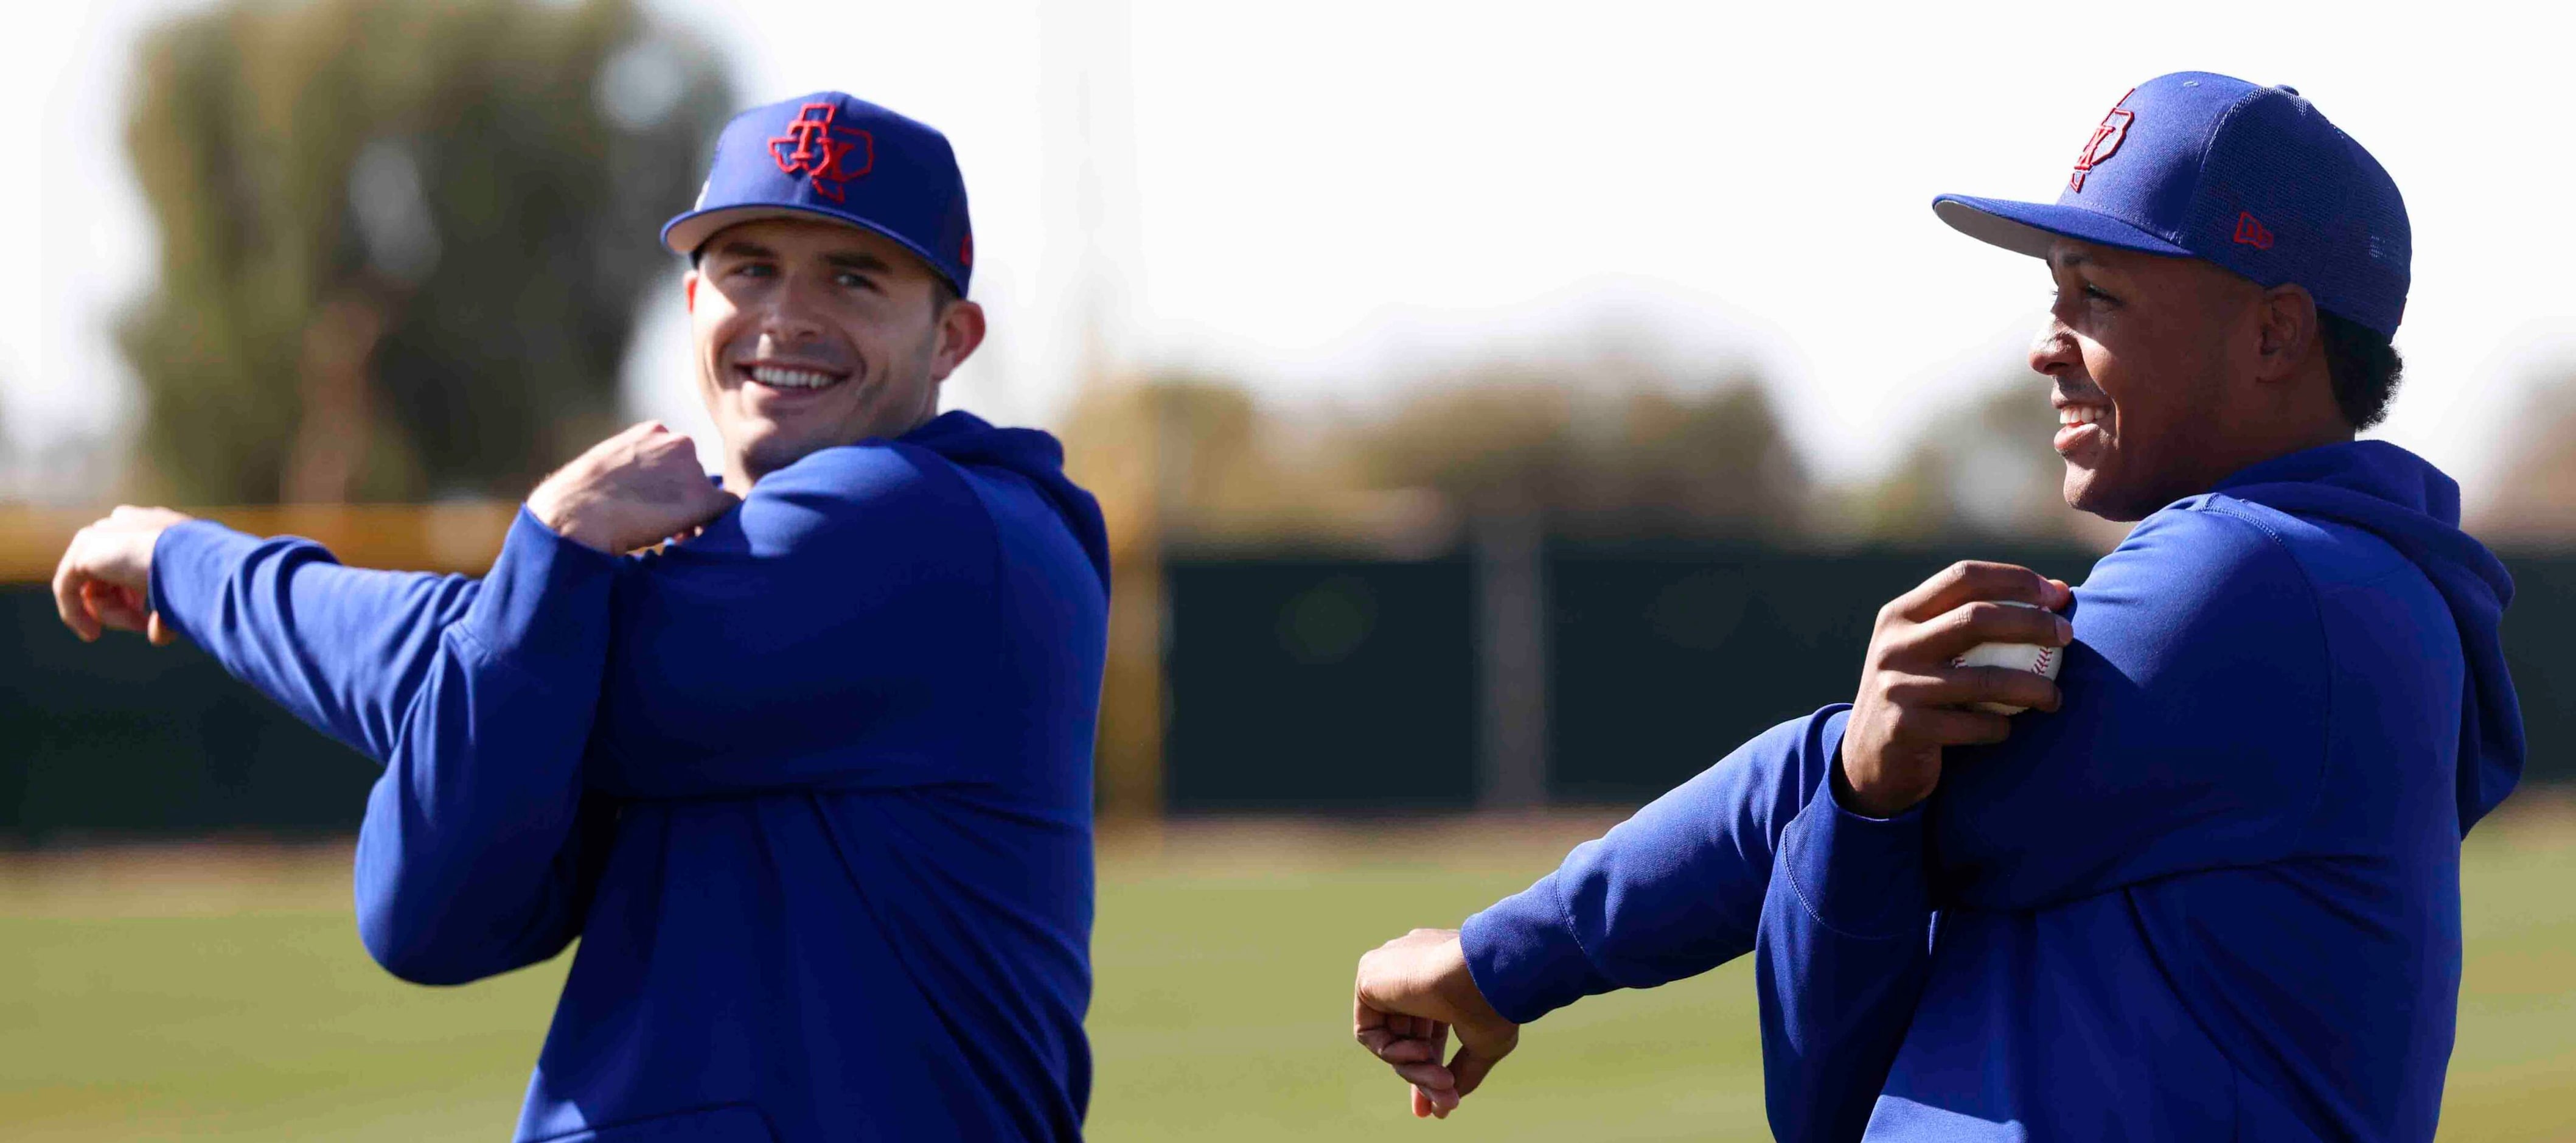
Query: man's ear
x=2291 y=336
x=961 y=329
x=689 y=289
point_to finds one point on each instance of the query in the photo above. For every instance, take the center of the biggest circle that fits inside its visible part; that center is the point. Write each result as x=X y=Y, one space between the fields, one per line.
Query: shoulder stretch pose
x=813 y=783
x=2214 y=892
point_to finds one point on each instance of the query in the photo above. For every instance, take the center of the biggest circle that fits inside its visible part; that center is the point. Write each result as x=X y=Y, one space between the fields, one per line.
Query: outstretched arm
x=1672 y=892
x=476 y=696
x=1749 y=853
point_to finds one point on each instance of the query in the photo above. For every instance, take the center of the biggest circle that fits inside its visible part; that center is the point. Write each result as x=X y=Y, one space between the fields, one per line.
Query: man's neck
x=738 y=476
x=2296 y=416
x=2287 y=437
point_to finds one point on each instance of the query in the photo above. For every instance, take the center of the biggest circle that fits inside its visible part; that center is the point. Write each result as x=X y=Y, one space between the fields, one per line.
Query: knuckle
x=1979 y=575
x=1985 y=615
x=1902 y=690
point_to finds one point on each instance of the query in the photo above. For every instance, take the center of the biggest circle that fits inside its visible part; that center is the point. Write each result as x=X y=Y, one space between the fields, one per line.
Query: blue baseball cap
x=2252 y=178
x=832 y=157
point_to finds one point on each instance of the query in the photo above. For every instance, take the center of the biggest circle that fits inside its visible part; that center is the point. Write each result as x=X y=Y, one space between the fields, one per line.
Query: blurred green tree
x=1595 y=448
x=1584 y=447
x=1211 y=466
x=402 y=245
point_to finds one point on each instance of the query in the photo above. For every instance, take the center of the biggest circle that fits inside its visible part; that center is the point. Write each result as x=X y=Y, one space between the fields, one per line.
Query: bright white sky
x=1322 y=198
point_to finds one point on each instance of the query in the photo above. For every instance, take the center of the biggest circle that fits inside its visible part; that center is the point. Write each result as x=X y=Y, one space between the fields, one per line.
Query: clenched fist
x=1912 y=702
x=630 y=491
x=105 y=580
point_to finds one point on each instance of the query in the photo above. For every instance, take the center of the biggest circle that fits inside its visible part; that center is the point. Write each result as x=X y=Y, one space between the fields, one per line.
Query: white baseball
x=2031 y=657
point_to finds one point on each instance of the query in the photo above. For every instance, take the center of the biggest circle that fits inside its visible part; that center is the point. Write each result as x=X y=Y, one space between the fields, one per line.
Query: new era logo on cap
x=2250 y=232
x=2252 y=178
x=831 y=157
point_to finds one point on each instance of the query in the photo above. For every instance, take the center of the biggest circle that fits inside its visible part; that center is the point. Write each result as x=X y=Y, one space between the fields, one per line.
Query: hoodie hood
x=966 y=439
x=2404 y=500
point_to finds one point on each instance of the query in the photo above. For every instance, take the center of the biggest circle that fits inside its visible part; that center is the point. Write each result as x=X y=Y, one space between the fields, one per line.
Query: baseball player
x=812 y=783
x=2210 y=888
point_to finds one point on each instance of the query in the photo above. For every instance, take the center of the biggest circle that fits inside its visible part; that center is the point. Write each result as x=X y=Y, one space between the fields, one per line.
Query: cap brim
x=2029 y=227
x=683 y=235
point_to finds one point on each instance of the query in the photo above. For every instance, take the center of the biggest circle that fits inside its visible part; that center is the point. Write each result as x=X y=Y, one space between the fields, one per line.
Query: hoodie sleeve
x=475 y=853
x=1844 y=952
x=1672 y=892
x=2194 y=733
x=825 y=635
x=1753 y=853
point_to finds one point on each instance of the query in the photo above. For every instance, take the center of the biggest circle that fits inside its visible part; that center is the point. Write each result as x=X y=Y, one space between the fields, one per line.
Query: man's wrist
x=1458 y=990
x=1868 y=801
x=570 y=518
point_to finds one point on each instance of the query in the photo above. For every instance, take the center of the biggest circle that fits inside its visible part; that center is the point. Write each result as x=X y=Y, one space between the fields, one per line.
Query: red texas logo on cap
x=830 y=156
x=2107 y=137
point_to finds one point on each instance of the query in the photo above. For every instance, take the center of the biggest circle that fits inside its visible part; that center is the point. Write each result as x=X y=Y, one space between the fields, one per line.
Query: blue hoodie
x=814 y=788
x=2215 y=896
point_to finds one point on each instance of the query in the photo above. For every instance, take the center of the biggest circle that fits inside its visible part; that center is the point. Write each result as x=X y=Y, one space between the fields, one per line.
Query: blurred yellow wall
x=459 y=537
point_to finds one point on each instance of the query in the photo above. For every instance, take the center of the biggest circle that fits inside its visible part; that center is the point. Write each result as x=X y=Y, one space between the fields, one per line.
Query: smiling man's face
x=813 y=334
x=2151 y=357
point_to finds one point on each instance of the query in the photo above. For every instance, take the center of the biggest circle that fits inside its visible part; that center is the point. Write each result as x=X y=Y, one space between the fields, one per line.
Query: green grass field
x=221 y=994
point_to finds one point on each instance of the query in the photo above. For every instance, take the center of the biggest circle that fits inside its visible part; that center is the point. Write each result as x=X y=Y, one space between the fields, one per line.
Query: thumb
x=1473 y=1061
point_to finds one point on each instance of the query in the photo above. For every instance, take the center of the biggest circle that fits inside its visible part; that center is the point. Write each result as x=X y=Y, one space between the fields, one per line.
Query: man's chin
x=768 y=449
x=2086 y=491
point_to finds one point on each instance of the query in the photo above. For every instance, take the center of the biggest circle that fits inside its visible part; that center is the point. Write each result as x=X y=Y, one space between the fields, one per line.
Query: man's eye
x=753 y=270
x=855 y=281
x=2087 y=292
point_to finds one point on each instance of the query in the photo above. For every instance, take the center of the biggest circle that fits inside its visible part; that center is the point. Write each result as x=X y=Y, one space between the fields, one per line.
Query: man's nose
x=791 y=316
x=2053 y=351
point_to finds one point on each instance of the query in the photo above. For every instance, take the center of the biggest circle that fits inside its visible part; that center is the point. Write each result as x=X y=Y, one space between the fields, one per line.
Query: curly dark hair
x=2365 y=368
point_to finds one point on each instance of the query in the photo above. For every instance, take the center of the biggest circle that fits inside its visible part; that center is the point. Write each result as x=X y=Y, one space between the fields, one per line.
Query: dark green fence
x=2544 y=673
x=1295 y=685
x=1661 y=659
x=120 y=738
x=1319 y=684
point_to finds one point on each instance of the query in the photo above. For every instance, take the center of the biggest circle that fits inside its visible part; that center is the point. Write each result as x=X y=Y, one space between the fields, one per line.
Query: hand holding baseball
x=105 y=580
x=1410 y=993
x=634 y=489
x=1915 y=698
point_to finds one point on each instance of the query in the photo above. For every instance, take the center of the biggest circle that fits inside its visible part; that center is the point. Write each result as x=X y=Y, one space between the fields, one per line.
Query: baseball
x=2038 y=660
